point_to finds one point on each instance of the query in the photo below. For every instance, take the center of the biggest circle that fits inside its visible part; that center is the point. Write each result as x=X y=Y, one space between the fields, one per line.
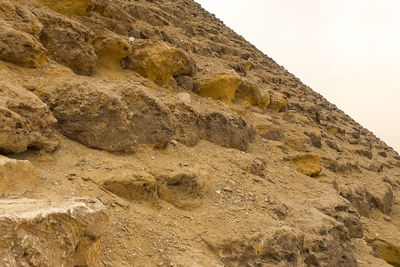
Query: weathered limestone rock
x=271 y=132
x=26 y=122
x=41 y=233
x=68 y=42
x=383 y=235
x=364 y=199
x=333 y=129
x=364 y=153
x=119 y=116
x=220 y=87
x=308 y=164
x=283 y=246
x=159 y=61
x=136 y=186
x=365 y=254
x=341 y=210
x=358 y=198
x=297 y=141
x=181 y=188
x=184 y=97
x=69 y=7
x=249 y=94
x=381 y=197
x=387 y=252
x=16 y=176
x=341 y=166
x=315 y=139
x=110 y=51
x=20 y=48
x=278 y=103
x=20 y=17
x=266 y=128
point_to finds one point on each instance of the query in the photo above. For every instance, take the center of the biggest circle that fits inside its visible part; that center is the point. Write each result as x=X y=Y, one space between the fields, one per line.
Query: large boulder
x=159 y=61
x=341 y=210
x=308 y=164
x=69 y=7
x=16 y=176
x=20 y=47
x=26 y=122
x=20 y=17
x=42 y=233
x=180 y=187
x=220 y=87
x=68 y=42
x=119 y=116
x=376 y=195
x=284 y=246
x=248 y=94
x=110 y=51
x=137 y=186
x=383 y=234
x=278 y=103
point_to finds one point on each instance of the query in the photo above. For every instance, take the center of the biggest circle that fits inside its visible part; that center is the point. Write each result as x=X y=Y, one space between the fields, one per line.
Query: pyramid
x=147 y=133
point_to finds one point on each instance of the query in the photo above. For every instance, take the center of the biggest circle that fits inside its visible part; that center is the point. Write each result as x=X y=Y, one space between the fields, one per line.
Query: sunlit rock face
x=16 y=176
x=38 y=232
x=26 y=121
x=69 y=7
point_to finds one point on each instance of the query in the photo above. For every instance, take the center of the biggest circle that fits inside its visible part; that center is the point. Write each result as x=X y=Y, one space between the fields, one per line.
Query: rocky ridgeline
x=142 y=133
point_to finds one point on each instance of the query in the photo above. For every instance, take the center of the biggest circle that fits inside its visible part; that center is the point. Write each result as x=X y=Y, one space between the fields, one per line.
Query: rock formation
x=147 y=133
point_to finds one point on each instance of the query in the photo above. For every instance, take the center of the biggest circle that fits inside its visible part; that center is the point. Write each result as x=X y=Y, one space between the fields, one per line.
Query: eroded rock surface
x=68 y=7
x=159 y=62
x=118 y=117
x=26 y=121
x=110 y=51
x=37 y=232
x=68 y=42
x=20 y=47
x=16 y=176
x=308 y=164
x=220 y=87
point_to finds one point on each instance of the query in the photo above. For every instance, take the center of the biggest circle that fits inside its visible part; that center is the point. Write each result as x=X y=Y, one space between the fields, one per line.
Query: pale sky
x=346 y=50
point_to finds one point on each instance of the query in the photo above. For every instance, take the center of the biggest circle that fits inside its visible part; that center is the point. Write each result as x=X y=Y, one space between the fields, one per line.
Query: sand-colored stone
x=20 y=47
x=182 y=188
x=26 y=122
x=270 y=132
x=378 y=195
x=220 y=87
x=296 y=142
x=69 y=7
x=308 y=164
x=278 y=103
x=110 y=51
x=249 y=94
x=159 y=61
x=121 y=116
x=137 y=187
x=62 y=233
x=20 y=17
x=68 y=42
x=387 y=252
x=16 y=176
x=332 y=129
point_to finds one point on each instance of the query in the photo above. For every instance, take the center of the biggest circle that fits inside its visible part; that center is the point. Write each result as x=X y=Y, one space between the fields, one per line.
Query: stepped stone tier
x=147 y=133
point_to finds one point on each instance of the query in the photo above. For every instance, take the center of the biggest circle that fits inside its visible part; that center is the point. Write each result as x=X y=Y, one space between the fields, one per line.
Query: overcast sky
x=347 y=50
